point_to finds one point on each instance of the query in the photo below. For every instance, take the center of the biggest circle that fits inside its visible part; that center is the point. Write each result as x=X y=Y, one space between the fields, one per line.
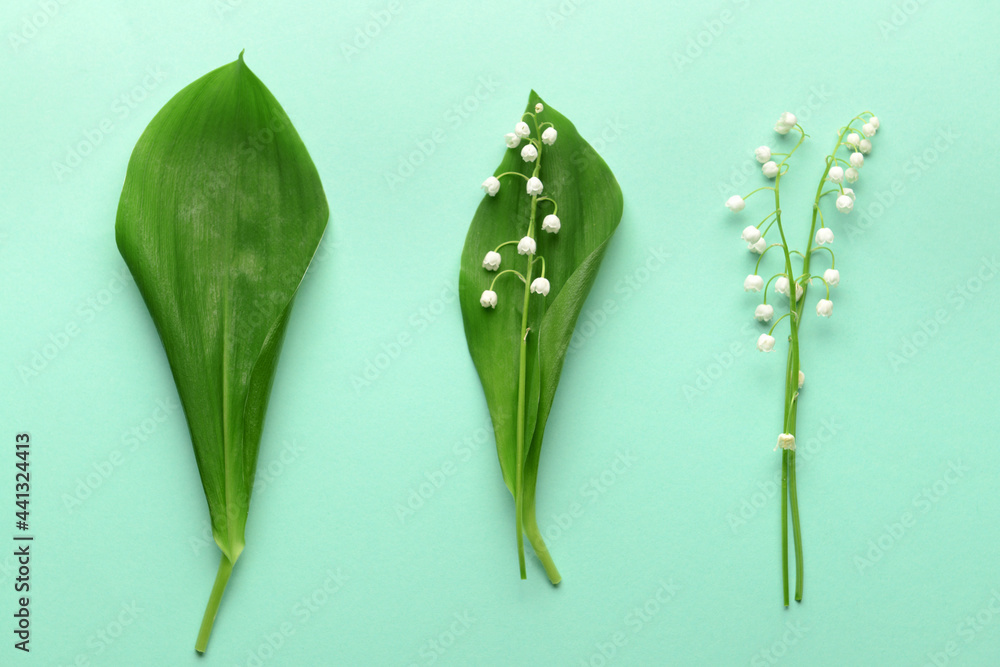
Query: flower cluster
x=843 y=166
x=544 y=134
x=839 y=171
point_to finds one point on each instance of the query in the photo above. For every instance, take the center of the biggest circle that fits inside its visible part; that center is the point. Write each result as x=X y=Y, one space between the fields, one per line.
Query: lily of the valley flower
x=529 y=153
x=781 y=285
x=785 y=123
x=522 y=130
x=551 y=224
x=832 y=277
x=751 y=234
x=802 y=379
x=786 y=441
x=764 y=312
x=539 y=108
x=836 y=174
x=534 y=186
x=865 y=146
x=824 y=235
x=850 y=193
x=488 y=299
x=753 y=283
x=549 y=136
x=492 y=261
x=770 y=169
x=857 y=160
x=526 y=246
x=736 y=204
x=757 y=247
x=845 y=203
x=853 y=139
x=852 y=174
x=824 y=308
x=762 y=153
x=492 y=186
x=513 y=141
x=765 y=343
x=868 y=130
x=873 y=121
x=540 y=286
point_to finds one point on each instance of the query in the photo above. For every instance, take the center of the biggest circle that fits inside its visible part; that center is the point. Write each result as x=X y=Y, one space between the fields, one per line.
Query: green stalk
x=221 y=579
x=538 y=544
x=521 y=382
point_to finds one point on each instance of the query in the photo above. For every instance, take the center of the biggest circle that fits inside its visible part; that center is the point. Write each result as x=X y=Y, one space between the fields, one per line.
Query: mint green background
x=671 y=377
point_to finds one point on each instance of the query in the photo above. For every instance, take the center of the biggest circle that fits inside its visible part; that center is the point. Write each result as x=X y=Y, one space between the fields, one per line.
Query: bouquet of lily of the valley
x=530 y=259
x=792 y=281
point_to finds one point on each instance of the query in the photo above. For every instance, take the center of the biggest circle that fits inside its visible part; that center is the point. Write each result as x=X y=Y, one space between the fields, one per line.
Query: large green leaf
x=220 y=215
x=590 y=208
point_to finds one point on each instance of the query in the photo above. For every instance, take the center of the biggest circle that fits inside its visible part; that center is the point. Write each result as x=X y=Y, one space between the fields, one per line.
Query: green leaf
x=221 y=213
x=590 y=207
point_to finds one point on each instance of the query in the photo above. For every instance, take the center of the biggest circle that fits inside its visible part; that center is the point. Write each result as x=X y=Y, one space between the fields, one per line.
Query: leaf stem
x=221 y=579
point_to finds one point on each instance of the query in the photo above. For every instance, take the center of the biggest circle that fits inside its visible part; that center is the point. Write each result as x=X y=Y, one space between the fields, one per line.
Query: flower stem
x=521 y=389
x=221 y=579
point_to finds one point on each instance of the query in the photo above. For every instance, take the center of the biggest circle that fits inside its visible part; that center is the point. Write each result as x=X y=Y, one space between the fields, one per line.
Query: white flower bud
x=513 y=141
x=751 y=234
x=824 y=308
x=762 y=153
x=539 y=108
x=549 y=136
x=770 y=169
x=491 y=185
x=845 y=203
x=786 y=441
x=802 y=379
x=824 y=235
x=526 y=246
x=488 y=299
x=873 y=121
x=832 y=277
x=540 y=286
x=534 y=186
x=836 y=174
x=868 y=130
x=757 y=247
x=765 y=343
x=522 y=130
x=551 y=224
x=857 y=160
x=764 y=312
x=865 y=146
x=736 y=203
x=785 y=123
x=852 y=139
x=753 y=283
x=781 y=286
x=492 y=261
x=529 y=153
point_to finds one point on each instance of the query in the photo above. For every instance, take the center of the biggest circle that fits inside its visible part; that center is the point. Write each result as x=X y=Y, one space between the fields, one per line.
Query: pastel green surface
x=666 y=415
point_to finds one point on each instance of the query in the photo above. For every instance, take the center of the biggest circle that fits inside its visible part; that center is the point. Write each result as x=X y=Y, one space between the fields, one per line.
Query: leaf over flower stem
x=220 y=215
x=519 y=347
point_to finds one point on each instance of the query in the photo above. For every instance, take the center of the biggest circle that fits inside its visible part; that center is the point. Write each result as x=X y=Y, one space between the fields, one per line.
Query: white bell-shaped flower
x=491 y=185
x=865 y=146
x=540 y=286
x=770 y=169
x=513 y=141
x=852 y=174
x=522 y=130
x=492 y=261
x=551 y=224
x=857 y=160
x=526 y=246
x=824 y=308
x=534 y=186
x=529 y=153
x=845 y=203
x=762 y=153
x=785 y=123
x=824 y=235
x=753 y=283
x=757 y=247
x=836 y=174
x=549 y=135
x=751 y=234
x=764 y=312
x=736 y=204
x=765 y=343
x=488 y=299
x=832 y=277
x=852 y=139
